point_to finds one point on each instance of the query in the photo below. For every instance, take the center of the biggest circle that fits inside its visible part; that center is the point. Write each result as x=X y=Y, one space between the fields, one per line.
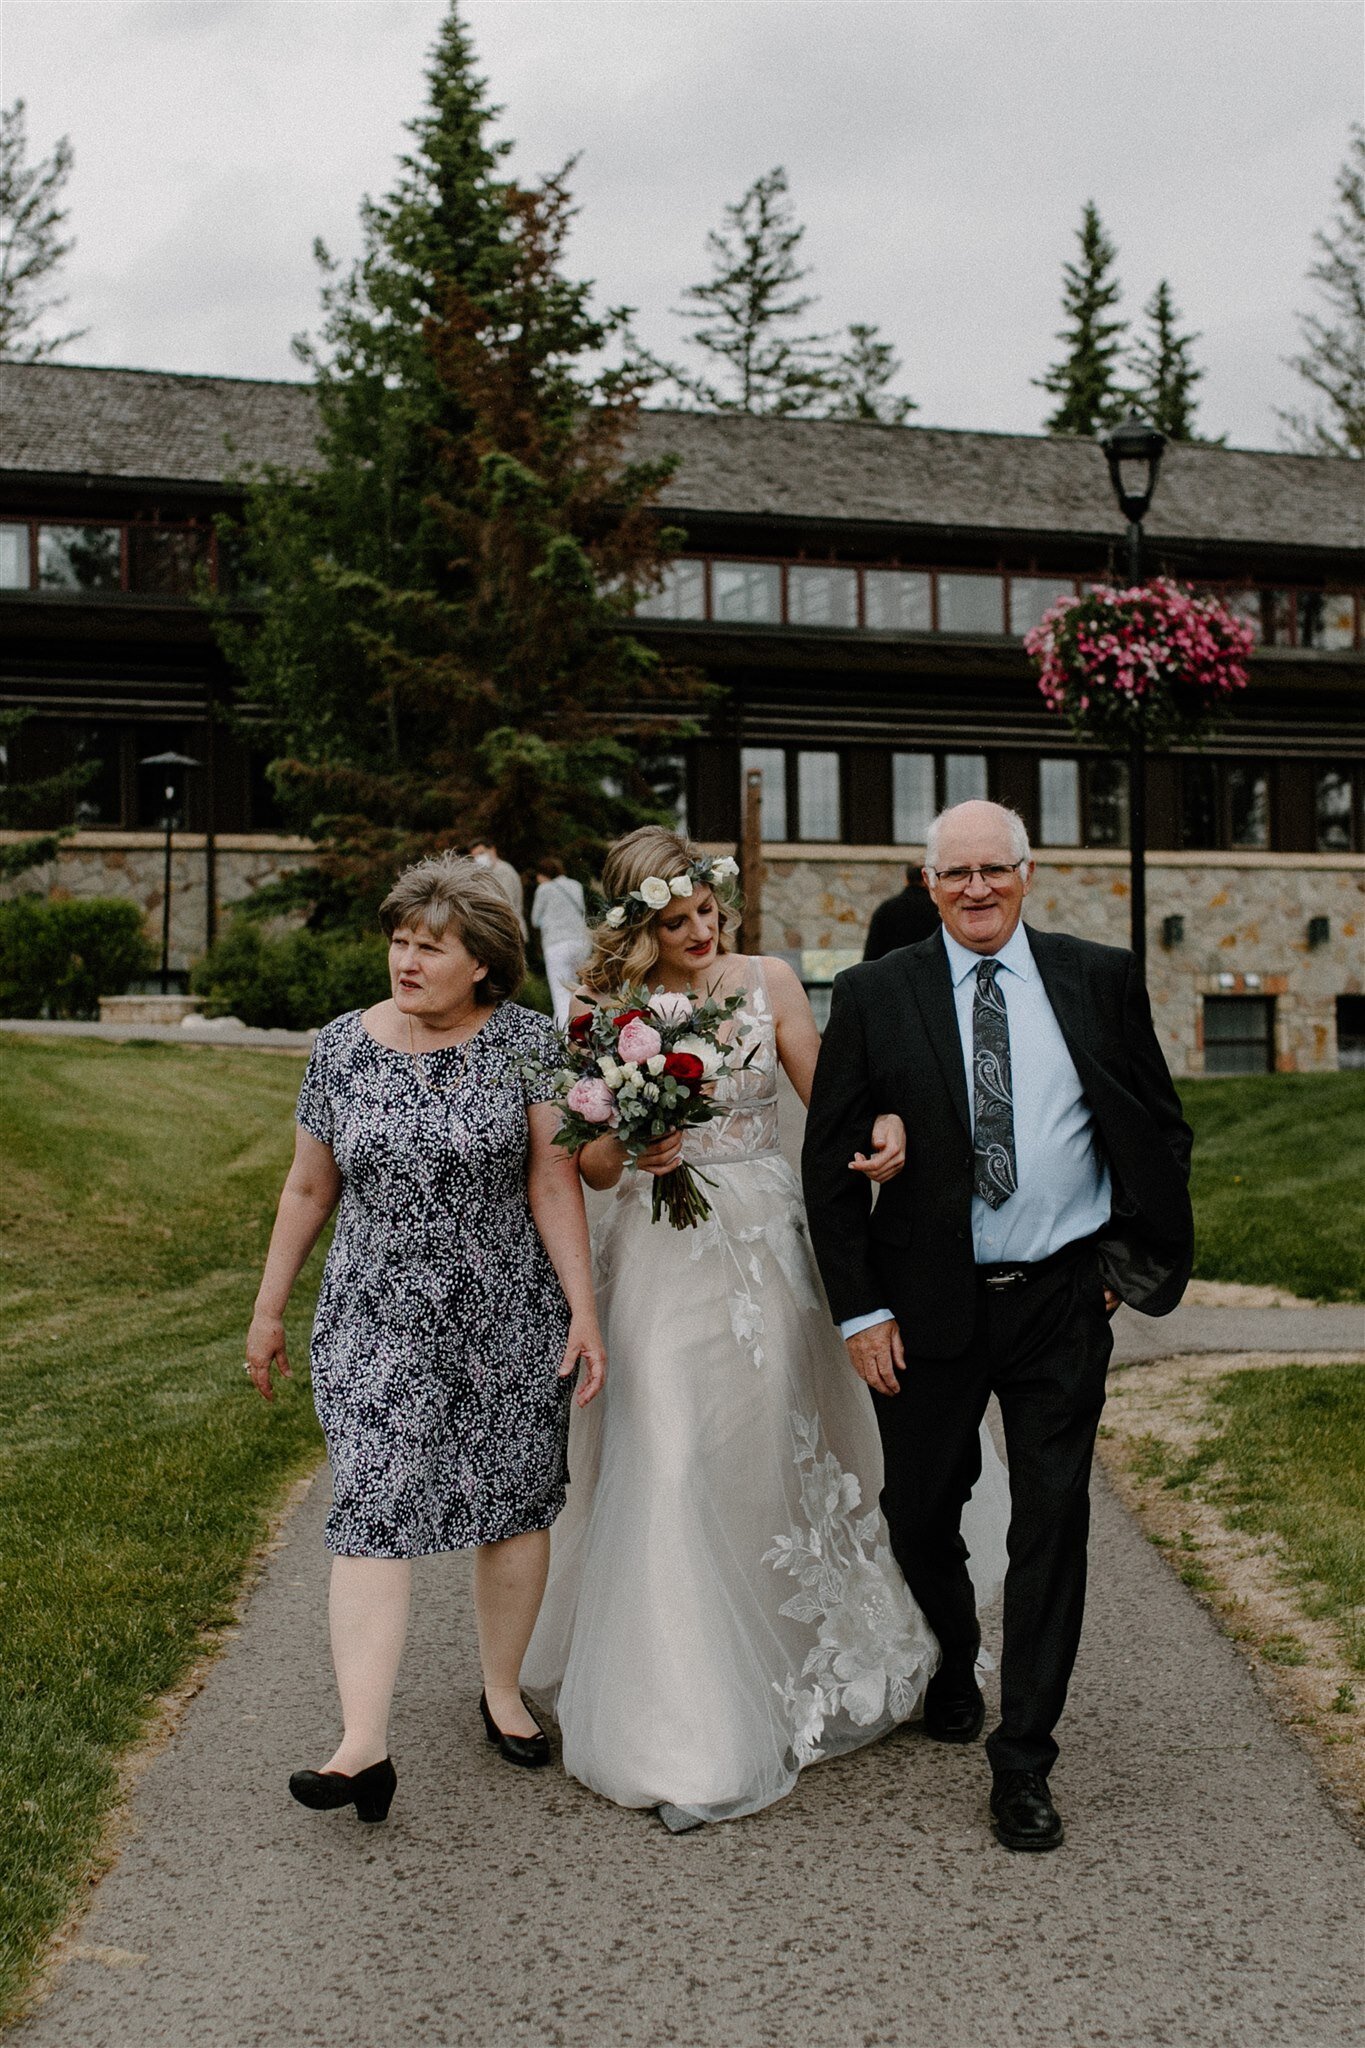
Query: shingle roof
x=56 y=418
x=931 y=476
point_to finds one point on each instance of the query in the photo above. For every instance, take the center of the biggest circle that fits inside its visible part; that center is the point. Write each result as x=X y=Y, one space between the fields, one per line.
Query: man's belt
x=1022 y=1273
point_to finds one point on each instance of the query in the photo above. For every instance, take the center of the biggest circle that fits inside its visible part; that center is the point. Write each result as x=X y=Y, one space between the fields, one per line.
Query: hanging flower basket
x=1155 y=662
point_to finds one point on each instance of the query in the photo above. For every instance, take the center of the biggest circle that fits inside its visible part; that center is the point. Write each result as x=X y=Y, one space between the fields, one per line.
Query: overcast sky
x=939 y=151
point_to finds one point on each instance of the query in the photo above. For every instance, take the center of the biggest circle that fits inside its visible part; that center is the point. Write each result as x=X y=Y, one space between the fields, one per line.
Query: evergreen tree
x=748 y=318
x=1333 y=359
x=1163 y=371
x=31 y=245
x=440 y=640
x=859 y=378
x=1085 y=382
x=25 y=805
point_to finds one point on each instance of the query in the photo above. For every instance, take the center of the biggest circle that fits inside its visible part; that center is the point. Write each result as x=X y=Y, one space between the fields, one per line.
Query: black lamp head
x=1134 y=451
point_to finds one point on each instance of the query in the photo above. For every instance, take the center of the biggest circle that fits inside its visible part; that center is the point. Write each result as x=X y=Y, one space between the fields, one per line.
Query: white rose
x=723 y=868
x=657 y=1064
x=610 y=1072
x=615 y=917
x=630 y=1069
x=712 y=1059
x=681 y=885
x=655 y=892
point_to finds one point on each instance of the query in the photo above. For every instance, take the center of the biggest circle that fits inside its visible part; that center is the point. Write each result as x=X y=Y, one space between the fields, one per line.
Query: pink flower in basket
x=639 y=1041
x=591 y=1099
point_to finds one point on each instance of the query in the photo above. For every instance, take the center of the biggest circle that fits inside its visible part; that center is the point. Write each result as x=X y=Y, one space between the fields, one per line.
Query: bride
x=723 y=1607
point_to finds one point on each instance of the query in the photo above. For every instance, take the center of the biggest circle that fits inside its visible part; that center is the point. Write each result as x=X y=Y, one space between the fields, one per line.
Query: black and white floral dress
x=441 y=1323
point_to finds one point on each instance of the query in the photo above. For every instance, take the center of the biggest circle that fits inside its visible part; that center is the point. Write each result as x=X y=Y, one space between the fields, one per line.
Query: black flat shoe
x=370 y=1791
x=530 y=1751
x=954 y=1710
x=1025 y=1817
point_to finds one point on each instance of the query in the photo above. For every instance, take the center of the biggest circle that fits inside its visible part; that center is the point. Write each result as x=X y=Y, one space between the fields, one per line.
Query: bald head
x=978 y=869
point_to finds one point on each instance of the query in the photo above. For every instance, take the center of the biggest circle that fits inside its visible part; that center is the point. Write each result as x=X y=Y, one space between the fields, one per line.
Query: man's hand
x=1112 y=1301
x=888 y=1150
x=877 y=1355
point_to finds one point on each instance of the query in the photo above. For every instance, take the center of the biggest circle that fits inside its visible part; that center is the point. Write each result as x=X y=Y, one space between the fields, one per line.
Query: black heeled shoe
x=530 y=1751
x=370 y=1791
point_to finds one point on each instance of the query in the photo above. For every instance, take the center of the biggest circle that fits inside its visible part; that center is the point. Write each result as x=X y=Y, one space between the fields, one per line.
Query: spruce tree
x=32 y=248
x=440 y=641
x=1332 y=361
x=1163 y=371
x=1085 y=382
x=859 y=377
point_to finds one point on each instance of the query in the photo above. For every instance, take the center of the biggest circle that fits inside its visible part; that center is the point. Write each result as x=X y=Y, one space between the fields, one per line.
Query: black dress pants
x=1042 y=1346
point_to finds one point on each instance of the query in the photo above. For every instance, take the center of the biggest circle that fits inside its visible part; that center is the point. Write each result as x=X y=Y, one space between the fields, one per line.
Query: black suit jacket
x=892 y=1043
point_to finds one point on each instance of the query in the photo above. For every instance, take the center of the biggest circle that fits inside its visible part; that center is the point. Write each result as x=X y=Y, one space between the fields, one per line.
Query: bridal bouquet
x=641 y=1071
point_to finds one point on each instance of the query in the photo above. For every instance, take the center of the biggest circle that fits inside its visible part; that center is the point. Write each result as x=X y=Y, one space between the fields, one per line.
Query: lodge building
x=859 y=592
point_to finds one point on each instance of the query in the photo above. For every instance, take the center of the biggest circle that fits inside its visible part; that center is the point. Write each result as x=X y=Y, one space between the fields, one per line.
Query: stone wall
x=131 y=865
x=1245 y=921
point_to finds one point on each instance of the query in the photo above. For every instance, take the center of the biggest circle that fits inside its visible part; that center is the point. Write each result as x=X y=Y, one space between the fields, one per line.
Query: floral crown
x=654 y=893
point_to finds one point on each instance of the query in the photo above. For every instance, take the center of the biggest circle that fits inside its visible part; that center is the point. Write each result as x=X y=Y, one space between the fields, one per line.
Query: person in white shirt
x=558 y=913
x=485 y=855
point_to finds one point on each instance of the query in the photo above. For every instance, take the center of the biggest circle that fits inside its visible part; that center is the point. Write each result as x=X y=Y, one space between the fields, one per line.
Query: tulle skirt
x=723 y=1607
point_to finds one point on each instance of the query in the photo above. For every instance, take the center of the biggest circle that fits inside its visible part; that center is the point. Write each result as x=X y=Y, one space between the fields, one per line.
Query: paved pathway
x=1207 y=1894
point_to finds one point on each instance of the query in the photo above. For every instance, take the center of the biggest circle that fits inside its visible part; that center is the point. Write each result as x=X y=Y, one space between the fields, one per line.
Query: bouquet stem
x=679 y=1196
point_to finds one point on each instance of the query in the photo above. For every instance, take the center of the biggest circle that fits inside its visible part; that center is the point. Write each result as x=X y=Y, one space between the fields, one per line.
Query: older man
x=1046 y=1181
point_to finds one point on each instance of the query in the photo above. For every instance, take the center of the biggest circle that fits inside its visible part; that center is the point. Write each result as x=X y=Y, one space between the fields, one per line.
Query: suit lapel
x=932 y=983
x=1059 y=971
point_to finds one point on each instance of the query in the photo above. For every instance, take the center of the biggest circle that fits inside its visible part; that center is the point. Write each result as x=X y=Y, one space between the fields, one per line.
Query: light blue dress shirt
x=1064 y=1189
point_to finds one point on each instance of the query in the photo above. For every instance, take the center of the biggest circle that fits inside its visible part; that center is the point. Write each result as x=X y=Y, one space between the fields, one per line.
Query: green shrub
x=294 y=981
x=57 y=958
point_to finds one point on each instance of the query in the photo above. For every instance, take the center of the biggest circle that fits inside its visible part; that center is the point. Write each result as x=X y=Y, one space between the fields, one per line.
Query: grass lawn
x=137 y=1468
x=1279 y=1181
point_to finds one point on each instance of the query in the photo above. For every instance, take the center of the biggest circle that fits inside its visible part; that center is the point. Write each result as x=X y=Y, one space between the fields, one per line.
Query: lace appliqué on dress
x=871 y=1657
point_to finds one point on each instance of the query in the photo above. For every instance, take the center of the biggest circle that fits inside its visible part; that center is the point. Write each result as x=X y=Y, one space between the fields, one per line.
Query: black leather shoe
x=1025 y=1817
x=530 y=1751
x=954 y=1710
x=370 y=1791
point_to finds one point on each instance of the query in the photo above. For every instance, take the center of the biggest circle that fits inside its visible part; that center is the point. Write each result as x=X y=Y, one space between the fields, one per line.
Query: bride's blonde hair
x=630 y=952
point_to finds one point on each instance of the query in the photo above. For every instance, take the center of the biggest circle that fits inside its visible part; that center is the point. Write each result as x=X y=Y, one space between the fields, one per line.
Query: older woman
x=456 y=1306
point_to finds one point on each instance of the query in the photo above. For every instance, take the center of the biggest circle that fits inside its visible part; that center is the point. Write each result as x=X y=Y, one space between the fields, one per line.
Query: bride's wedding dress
x=723 y=1608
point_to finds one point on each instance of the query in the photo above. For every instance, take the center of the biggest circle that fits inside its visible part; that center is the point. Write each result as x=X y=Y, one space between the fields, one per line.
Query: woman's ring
x=247 y=1367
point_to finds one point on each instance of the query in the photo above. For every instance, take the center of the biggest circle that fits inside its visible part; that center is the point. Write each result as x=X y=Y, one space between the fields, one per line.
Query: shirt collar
x=1014 y=955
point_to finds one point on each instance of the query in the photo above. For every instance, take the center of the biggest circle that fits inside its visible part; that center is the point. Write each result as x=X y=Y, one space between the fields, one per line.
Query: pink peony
x=670 y=1008
x=639 y=1041
x=591 y=1099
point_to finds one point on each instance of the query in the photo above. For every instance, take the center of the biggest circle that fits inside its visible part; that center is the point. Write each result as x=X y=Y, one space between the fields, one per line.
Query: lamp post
x=175 y=767
x=1133 y=451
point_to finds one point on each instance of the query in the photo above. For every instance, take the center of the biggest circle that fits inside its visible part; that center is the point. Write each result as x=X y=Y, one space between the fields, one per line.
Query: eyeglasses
x=994 y=874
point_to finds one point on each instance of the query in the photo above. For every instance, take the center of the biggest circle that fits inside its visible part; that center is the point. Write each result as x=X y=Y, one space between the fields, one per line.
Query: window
x=971 y=604
x=163 y=560
x=1351 y=1031
x=79 y=558
x=1239 y=1034
x=98 y=749
x=1335 y=808
x=1248 y=806
x=1059 y=803
x=964 y=777
x=772 y=763
x=1106 y=802
x=1246 y=606
x=912 y=798
x=667 y=777
x=746 y=593
x=682 y=595
x=1326 y=618
x=821 y=597
x=1030 y=597
x=818 y=814
x=13 y=557
x=898 y=601
x=1277 y=611
x=1198 y=805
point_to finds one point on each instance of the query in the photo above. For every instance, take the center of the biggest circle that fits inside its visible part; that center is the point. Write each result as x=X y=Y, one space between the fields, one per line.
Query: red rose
x=624 y=1017
x=580 y=1028
x=684 y=1066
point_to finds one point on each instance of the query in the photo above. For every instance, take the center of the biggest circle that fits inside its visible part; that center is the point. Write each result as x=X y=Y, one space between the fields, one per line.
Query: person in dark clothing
x=902 y=920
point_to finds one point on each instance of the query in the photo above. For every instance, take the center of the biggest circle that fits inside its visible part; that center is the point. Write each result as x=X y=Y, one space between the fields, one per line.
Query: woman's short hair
x=630 y=952
x=449 y=890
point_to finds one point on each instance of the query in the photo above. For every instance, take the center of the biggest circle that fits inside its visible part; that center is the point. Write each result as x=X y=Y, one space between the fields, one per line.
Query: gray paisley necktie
x=995 y=1177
